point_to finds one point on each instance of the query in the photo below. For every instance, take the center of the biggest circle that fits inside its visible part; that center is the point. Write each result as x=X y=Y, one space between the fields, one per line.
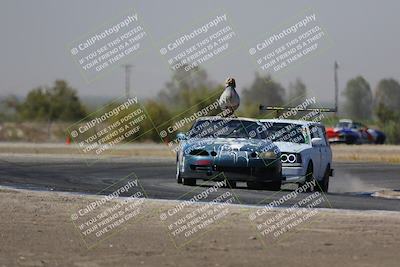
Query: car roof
x=224 y=118
x=300 y=122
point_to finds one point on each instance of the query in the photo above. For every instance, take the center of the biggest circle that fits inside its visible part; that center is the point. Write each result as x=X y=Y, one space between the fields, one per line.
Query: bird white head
x=230 y=82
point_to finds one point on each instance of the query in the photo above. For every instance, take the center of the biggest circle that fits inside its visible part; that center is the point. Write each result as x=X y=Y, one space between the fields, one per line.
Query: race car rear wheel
x=380 y=140
x=351 y=140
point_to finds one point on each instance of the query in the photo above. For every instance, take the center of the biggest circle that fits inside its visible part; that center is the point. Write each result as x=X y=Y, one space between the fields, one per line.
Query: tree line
x=380 y=106
x=188 y=92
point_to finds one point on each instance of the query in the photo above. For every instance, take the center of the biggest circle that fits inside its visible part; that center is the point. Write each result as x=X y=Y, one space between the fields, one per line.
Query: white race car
x=306 y=154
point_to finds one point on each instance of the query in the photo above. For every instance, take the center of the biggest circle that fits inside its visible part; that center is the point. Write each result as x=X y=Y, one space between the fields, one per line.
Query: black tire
x=231 y=184
x=273 y=186
x=178 y=173
x=351 y=140
x=255 y=185
x=189 y=181
x=310 y=177
x=380 y=140
x=323 y=186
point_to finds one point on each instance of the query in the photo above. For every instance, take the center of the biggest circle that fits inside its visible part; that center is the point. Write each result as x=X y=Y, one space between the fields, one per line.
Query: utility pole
x=336 y=87
x=127 y=79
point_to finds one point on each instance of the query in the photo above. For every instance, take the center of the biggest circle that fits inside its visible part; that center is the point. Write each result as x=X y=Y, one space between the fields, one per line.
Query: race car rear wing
x=266 y=108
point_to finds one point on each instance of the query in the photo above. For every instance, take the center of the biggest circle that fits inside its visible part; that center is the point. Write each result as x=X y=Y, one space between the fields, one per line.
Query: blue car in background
x=232 y=149
x=350 y=132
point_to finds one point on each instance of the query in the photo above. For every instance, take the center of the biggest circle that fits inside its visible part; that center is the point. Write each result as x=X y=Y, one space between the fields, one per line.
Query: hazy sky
x=35 y=36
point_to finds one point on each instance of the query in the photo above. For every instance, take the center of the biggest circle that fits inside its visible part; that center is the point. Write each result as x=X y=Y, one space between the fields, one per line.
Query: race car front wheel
x=324 y=184
x=230 y=184
x=188 y=181
x=178 y=173
x=273 y=186
x=310 y=177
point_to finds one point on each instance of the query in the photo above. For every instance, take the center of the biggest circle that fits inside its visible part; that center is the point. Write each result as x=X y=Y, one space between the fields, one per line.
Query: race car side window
x=318 y=132
x=313 y=131
x=324 y=135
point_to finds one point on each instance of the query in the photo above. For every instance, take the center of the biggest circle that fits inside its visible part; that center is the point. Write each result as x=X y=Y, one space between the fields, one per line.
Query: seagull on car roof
x=229 y=99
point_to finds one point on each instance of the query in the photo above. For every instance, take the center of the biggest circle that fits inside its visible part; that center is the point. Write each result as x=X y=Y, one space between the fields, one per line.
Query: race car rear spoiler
x=266 y=108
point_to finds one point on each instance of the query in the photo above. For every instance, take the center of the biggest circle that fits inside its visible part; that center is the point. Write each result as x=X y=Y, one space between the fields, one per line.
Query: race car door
x=317 y=152
x=324 y=150
x=326 y=153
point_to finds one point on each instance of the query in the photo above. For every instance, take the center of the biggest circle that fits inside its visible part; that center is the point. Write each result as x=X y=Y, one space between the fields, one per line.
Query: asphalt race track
x=351 y=187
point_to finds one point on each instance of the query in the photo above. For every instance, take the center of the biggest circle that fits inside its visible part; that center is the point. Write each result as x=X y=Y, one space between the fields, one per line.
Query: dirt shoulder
x=367 y=153
x=37 y=230
x=125 y=150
